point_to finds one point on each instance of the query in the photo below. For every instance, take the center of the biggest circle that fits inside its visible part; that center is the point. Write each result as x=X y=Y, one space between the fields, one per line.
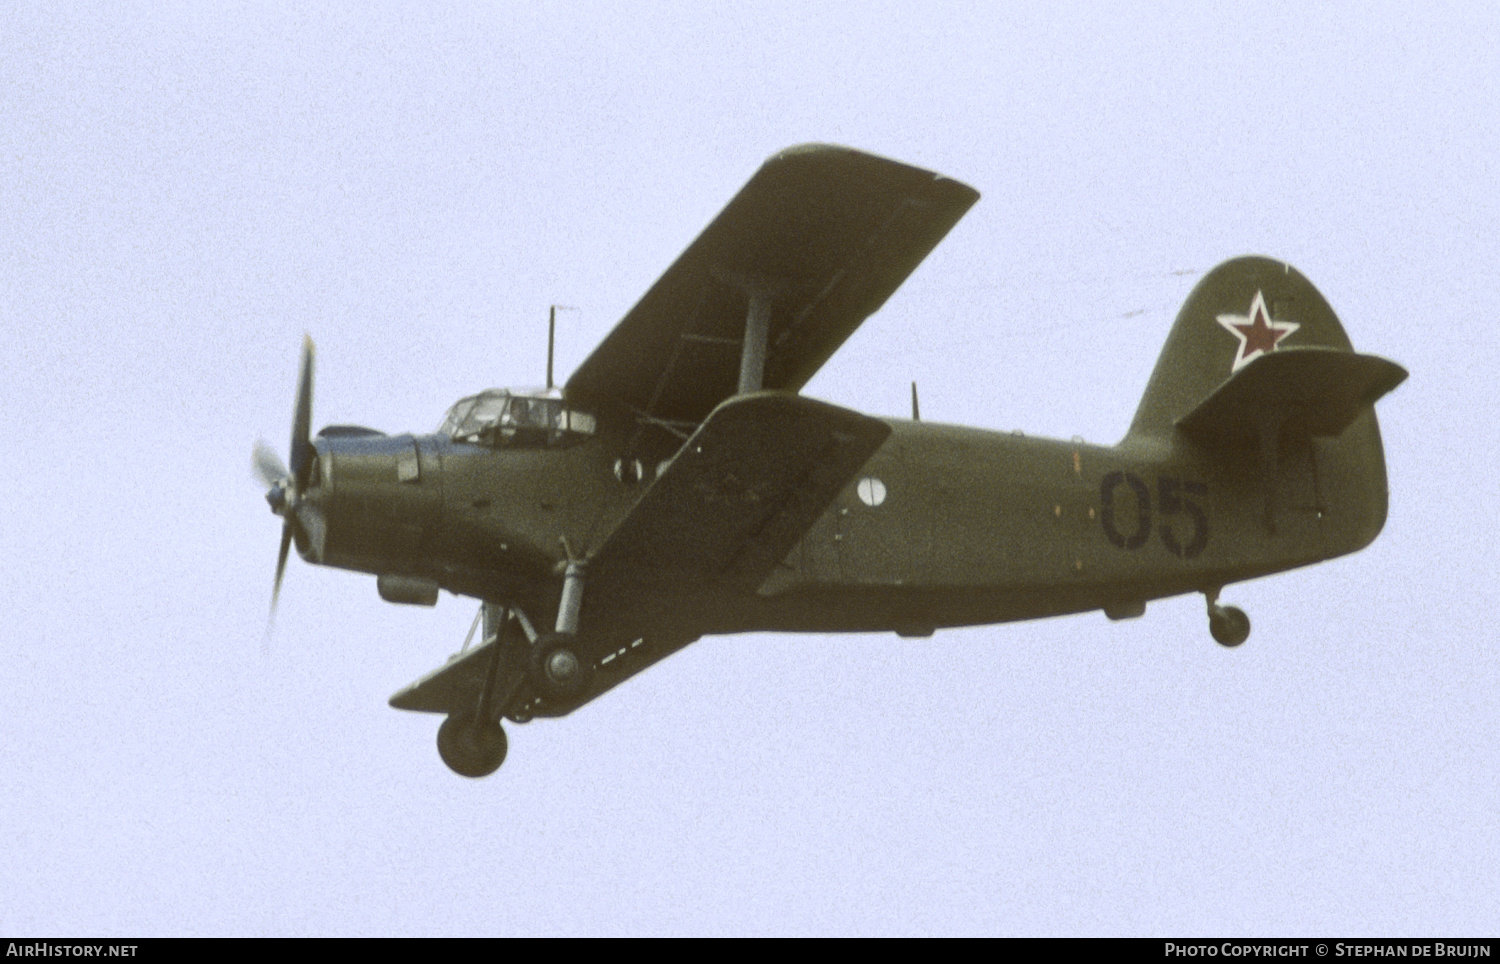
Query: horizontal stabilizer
x=1300 y=391
x=739 y=494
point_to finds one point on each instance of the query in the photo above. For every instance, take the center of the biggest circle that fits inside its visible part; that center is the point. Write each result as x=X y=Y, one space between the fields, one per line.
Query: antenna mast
x=551 y=342
x=552 y=337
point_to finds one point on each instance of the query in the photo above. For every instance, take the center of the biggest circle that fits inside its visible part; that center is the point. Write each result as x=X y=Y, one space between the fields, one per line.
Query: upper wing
x=827 y=233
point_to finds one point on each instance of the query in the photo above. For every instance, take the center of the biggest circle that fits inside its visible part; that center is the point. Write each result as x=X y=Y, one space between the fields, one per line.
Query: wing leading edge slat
x=828 y=233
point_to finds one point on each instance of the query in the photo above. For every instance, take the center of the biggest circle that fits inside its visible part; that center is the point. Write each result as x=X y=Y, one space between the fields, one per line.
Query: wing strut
x=753 y=349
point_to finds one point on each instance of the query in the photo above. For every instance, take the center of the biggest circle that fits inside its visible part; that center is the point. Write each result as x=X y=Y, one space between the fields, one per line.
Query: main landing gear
x=556 y=669
x=473 y=743
x=472 y=747
x=1228 y=624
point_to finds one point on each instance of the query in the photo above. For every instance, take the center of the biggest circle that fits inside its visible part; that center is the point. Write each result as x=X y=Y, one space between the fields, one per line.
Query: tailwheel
x=1228 y=624
x=471 y=747
x=558 y=670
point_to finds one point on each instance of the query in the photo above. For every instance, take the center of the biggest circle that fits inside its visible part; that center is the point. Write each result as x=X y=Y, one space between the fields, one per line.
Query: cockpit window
x=500 y=417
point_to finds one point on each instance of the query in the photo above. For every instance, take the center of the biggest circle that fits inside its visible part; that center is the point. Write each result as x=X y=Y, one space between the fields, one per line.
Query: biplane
x=678 y=485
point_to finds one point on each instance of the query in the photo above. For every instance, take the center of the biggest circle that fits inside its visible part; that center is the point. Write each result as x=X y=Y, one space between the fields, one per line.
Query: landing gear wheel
x=558 y=670
x=1229 y=625
x=471 y=748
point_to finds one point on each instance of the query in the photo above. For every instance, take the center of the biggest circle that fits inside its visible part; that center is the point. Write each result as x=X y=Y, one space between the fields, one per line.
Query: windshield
x=501 y=417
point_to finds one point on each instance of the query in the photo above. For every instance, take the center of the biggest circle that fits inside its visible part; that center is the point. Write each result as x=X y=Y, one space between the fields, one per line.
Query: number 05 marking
x=1173 y=497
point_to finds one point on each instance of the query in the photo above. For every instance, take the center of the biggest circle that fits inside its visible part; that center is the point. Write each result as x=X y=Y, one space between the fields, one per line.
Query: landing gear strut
x=472 y=742
x=557 y=670
x=1228 y=624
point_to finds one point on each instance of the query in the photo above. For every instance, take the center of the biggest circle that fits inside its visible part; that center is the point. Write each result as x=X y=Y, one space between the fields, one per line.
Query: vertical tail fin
x=1258 y=378
x=1241 y=310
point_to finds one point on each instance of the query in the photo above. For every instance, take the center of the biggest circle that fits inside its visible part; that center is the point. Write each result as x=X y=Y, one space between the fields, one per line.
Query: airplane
x=678 y=485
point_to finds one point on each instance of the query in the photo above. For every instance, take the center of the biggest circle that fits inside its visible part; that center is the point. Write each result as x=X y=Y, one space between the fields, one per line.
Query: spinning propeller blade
x=284 y=486
x=267 y=465
x=286 y=544
x=302 y=448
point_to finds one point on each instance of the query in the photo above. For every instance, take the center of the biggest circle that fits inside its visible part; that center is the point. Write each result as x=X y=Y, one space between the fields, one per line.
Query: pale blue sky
x=186 y=188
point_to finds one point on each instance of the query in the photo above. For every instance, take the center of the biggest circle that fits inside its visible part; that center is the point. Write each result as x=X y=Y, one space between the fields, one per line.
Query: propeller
x=285 y=488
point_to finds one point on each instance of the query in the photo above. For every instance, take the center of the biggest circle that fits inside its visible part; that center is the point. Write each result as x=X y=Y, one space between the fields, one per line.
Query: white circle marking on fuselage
x=871 y=491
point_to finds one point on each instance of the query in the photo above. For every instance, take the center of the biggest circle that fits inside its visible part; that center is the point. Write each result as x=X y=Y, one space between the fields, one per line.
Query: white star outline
x=1279 y=330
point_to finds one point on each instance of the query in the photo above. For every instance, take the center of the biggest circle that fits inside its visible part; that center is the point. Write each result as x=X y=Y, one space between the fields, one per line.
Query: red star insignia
x=1256 y=331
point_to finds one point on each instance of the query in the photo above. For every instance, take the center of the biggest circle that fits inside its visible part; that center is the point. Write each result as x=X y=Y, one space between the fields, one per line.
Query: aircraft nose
x=376 y=500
